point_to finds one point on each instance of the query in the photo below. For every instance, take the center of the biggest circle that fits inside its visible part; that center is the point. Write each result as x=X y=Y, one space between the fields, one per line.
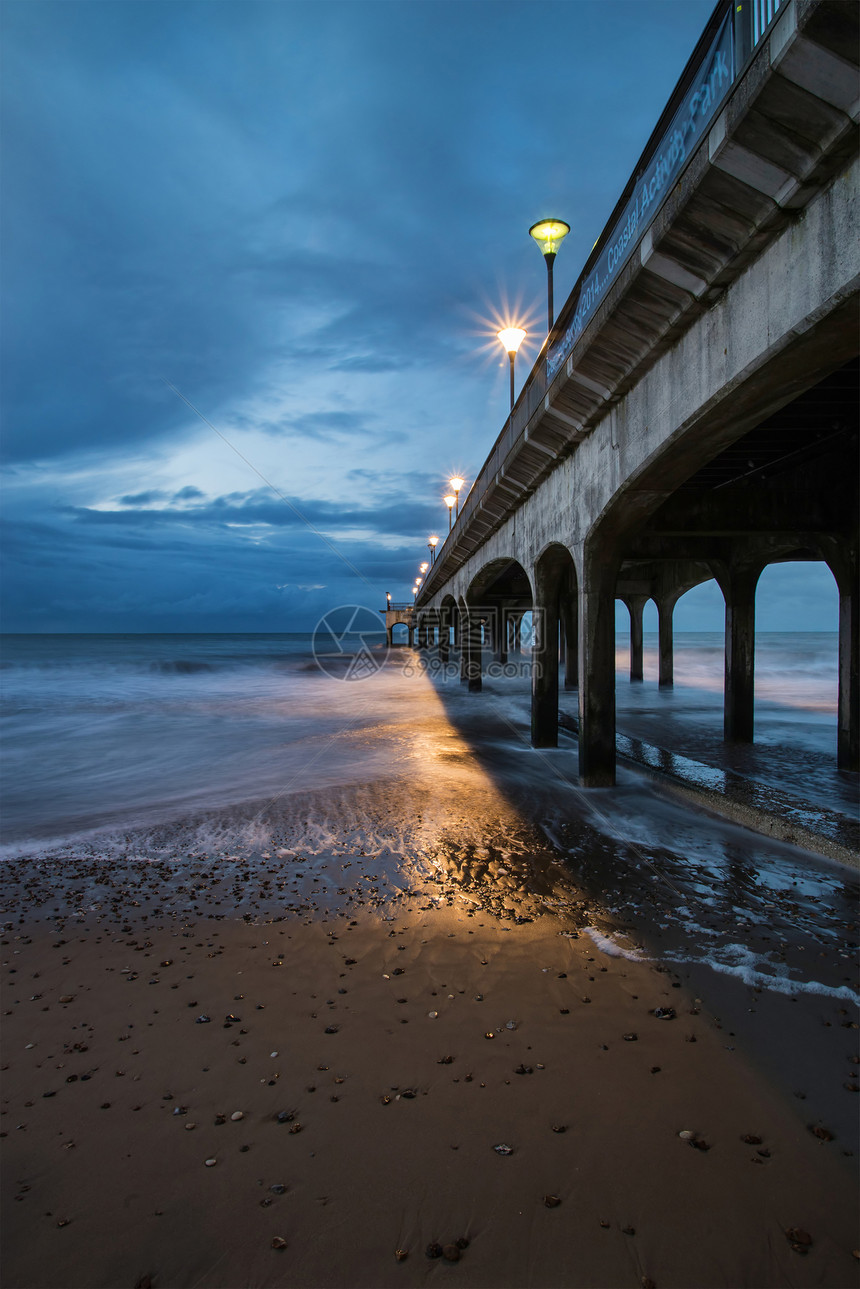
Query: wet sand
x=367 y=1048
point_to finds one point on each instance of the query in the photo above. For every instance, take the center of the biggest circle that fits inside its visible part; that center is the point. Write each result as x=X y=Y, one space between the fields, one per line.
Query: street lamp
x=422 y=568
x=511 y=338
x=449 y=502
x=549 y=235
x=432 y=542
x=456 y=485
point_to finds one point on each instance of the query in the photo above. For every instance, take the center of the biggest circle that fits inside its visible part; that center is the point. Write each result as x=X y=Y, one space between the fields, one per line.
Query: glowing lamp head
x=422 y=568
x=432 y=541
x=512 y=338
x=449 y=501
x=549 y=234
x=456 y=484
x=418 y=581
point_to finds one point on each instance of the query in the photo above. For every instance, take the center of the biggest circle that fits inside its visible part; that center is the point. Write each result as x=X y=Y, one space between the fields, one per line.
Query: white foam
x=743 y=963
x=609 y=945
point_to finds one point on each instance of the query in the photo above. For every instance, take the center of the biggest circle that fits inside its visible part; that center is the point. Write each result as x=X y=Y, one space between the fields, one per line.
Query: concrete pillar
x=444 y=635
x=389 y=636
x=545 y=662
x=666 y=640
x=844 y=564
x=597 y=672
x=739 y=711
x=570 y=630
x=635 y=606
x=474 y=653
x=848 y=717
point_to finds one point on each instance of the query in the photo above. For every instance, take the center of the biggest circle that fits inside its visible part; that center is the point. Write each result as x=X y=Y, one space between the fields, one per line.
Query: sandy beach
x=328 y=1088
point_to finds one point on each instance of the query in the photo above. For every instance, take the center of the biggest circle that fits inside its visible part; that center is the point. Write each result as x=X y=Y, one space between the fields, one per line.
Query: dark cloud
x=143 y=498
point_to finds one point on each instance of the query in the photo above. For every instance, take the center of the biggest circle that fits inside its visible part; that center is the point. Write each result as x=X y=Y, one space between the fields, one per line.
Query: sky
x=254 y=258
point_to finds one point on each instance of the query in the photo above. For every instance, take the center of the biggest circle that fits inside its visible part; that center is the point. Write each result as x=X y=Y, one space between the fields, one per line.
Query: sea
x=157 y=747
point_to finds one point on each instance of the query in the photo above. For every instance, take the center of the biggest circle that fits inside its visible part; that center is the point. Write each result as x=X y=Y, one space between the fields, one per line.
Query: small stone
x=203 y=1020
x=331 y=1029
x=489 y=1034
x=433 y=1251
x=278 y=1242
x=285 y=1116
x=821 y=1133
x=210 y=1163
x=502 y=1149
x=630 y=1038
x=272 y=1055
x=629 y=1230
x=64 y=1221
x=795 y=1235
x=551 y=1201
x=450 y=1253
x=67 y=998
x=559 y=1127
x=751 y=1139
x=462 y=1243
x=604 y=1224
x=237 y=1115
x=686 y=1135
x=664 y=1013
x=189 y=1127
x=278 y=1188
x=432 y=1015
x=401 y=1255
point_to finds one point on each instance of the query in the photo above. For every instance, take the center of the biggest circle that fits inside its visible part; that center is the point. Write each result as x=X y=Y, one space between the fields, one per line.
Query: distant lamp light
x=449 y=502
x=512 y=338
x=549 y=235
x=422 y=568
x=388 y=597
x=432 y=542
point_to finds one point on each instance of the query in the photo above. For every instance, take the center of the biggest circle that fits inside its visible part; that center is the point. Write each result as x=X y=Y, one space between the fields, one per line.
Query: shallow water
x=169 y=746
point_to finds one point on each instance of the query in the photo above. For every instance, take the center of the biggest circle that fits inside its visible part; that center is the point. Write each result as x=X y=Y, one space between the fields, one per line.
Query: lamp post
x=456 y=485
x=549 y=235
x=512 y=338
x=449 y=502
x=432 y=543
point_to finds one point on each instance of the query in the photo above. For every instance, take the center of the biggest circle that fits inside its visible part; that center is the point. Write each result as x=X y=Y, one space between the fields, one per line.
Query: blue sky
x=308 y=219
